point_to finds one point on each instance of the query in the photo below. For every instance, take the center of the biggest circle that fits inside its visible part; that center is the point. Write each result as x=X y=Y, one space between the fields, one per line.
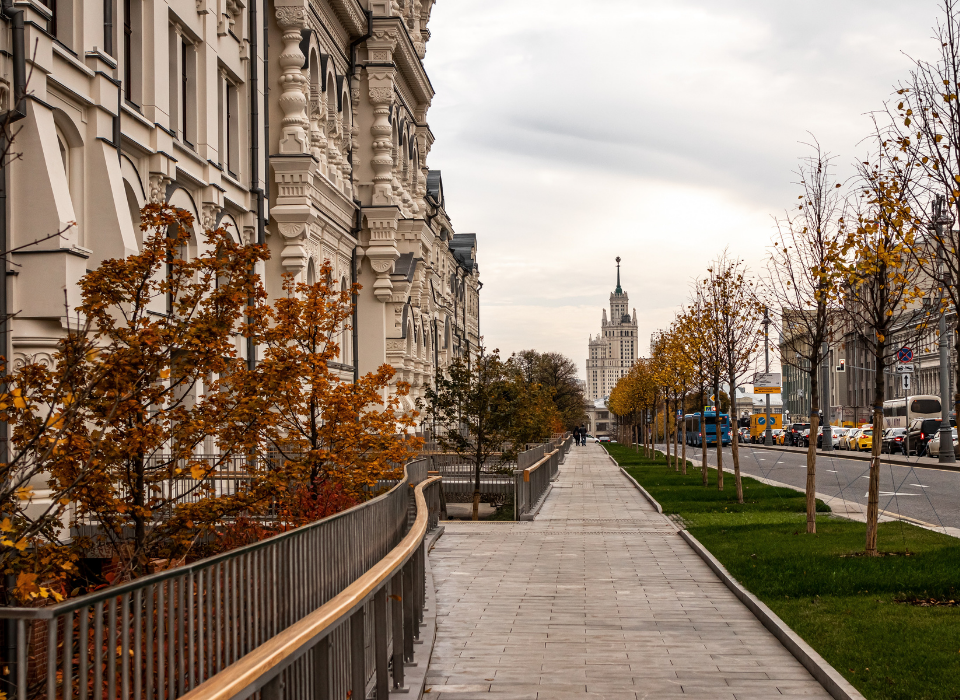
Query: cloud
x=570 y=133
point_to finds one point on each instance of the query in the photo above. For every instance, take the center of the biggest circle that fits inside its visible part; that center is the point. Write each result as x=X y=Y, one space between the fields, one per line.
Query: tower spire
x=618 y=290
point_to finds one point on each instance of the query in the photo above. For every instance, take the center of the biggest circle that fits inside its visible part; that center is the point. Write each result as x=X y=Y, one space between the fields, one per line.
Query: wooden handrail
x=253 y=671
x=534 y=467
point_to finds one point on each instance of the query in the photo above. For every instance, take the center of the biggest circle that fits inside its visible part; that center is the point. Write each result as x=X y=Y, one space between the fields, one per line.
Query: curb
x=826 y=675
x=536 y=511
x=848 y=454
x=415 y=675
x=643 y=491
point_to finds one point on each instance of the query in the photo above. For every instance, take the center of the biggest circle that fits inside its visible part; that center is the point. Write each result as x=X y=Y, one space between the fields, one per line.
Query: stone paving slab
x=581 y=604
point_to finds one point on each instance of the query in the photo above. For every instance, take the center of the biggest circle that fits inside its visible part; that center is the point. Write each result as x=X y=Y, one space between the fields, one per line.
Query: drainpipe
x=358 y=224
x=266 y=111
x=255 y=187
x=16 y=113
x=17 y=96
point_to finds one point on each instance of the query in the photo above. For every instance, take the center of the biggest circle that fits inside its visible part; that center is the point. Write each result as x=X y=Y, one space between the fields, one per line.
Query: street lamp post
x=825 y=400
x=768 y=433
x=946 y=456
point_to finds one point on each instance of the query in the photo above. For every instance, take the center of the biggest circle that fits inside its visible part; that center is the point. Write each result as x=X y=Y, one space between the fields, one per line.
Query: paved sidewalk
x=597 y=598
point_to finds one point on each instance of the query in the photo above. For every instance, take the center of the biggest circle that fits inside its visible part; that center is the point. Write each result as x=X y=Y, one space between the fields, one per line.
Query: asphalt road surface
x=931 y=496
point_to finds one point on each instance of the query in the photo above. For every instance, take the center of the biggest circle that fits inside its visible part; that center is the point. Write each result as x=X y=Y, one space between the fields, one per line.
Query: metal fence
x=538 y=467
x=163 y=635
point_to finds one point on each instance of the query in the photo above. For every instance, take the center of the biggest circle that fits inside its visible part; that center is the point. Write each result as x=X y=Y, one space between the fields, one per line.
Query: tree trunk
x=719 y=433
x=666 y=428
x=873 y=499
x=735 y=444
x=478 y=463
x=703 y=437
x=683 y=446
x=812 y=454
x=676 y=426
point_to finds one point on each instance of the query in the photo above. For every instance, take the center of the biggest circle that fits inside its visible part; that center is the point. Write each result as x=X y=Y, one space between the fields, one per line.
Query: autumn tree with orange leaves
x=334 y=439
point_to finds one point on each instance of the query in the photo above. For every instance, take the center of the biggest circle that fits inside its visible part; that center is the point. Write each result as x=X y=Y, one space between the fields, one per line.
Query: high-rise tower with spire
x=613 y=352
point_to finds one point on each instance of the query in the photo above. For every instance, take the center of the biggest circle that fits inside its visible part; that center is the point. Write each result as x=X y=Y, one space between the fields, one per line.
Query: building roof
x=406 y=266
x=464 y=248
x=435 y=187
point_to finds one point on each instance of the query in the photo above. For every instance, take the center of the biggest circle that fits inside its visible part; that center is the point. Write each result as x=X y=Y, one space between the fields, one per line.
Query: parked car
x=837 y=434
x=795 y=434
x=846 y=442
x=863 y=440
x=590 y=438
x=605 y=438
x=921 y=431
x=893 y=440
x=933 y=446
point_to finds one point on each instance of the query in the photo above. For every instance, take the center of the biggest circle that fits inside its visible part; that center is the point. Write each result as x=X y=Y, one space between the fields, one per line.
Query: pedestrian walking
x=576 y=435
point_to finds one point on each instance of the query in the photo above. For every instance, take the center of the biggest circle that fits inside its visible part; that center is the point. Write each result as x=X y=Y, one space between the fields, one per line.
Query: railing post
x=321 y=669
x=396 y=608
x=358 y=667
x=418 y=592
x=380 y=641
x=408 y=623
x=273 y=690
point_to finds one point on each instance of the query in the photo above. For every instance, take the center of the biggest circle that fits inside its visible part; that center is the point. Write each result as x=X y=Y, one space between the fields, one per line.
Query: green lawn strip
x=842 y=604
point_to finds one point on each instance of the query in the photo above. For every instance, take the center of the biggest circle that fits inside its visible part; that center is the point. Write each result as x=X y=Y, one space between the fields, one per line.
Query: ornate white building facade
x=301 y=124
x=613 y=352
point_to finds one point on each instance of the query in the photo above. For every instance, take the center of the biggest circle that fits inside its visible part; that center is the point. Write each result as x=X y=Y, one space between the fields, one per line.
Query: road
x=928 y=495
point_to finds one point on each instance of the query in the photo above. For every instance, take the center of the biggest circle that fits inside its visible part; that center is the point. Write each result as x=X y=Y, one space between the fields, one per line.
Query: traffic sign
x=906 y=381
x=903 y=369
x=766 y=383
x=761 y=421
x=905 y=354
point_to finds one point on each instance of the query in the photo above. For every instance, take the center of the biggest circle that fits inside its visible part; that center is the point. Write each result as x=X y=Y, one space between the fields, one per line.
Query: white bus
x=897 y=413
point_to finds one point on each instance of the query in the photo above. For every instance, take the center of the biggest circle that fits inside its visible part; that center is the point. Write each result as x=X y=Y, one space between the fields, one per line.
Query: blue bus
x=694 y=433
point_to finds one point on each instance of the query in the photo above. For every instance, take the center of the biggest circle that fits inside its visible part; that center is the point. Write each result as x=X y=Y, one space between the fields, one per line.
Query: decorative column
x=381 y=96
x=382 y=250
x=294 y=126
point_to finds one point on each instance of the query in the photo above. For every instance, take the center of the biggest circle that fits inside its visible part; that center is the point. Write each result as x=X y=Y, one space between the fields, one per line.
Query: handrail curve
x=255 y=670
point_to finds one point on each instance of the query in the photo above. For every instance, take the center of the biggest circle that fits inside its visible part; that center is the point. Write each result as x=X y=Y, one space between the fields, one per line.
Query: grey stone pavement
x=597 y=598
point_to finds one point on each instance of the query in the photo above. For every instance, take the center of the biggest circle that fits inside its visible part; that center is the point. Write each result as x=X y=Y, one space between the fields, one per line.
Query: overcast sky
x=569 y=133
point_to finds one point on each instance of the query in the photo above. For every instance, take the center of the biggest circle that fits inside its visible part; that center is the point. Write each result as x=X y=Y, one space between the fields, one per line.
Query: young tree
x=924 y=124
x=882 y=282
x=695 y=340
x=336 y=440
x=481 y=411
x=804 y=282
x=136 y=390
x=710 y=319
x=737 y=320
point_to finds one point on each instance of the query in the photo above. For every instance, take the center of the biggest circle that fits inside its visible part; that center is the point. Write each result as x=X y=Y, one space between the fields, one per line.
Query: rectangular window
x=232 y=129
x=183 y=87
x=132 y=56
x=108 y=27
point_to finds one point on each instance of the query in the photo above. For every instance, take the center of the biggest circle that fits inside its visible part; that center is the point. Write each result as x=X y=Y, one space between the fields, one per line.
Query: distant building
x=613 y=353
x=600 y=421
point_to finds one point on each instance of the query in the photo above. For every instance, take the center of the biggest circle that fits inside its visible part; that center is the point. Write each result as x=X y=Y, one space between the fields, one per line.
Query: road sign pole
x=827 y=444
x=946 y=455
x=768 y=433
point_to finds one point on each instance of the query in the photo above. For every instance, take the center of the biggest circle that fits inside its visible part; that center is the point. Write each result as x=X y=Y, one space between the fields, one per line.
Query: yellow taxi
x=863 y=440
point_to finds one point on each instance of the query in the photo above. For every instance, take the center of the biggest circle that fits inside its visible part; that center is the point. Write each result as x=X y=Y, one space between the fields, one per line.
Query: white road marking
x=891 y=493
x=920 y=486
x=833 y=471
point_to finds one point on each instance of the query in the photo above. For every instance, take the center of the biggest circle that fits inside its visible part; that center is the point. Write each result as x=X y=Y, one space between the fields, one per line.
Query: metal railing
x=187 y=631
x=538 y=467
